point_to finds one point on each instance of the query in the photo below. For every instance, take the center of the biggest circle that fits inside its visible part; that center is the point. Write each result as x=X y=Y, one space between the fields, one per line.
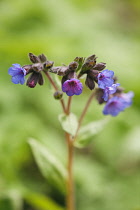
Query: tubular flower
x=17 y=73
x=109 y=90
x=72 y=87
x=118 y=103
x=105 y=79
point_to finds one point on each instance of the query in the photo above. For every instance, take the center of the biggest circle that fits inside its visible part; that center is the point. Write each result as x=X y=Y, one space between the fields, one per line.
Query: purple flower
x=127 y=97
x=17 y=73
x=109 y=90
x=118 y=103
x=72 y=87
x=105 y=78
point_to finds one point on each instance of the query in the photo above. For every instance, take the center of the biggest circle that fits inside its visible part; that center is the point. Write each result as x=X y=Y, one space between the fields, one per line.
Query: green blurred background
x=107 y=172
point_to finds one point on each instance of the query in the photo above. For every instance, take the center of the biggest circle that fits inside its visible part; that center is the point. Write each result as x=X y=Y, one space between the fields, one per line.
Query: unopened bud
x=58 y=95
x=42 y=58
x=37 y=67
x=80 y=61
x=93 y=74
x=73 y=66
x=60 y=70
x=90 y=83
x=40 y=80
x=48 y=64
x=99 y=95
x=92 y=57
x=34 y=58
x=99 y=66
x=89 y=64
x=33 y=79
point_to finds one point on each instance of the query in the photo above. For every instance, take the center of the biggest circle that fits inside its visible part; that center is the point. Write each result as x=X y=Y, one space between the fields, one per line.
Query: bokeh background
x=107 y=172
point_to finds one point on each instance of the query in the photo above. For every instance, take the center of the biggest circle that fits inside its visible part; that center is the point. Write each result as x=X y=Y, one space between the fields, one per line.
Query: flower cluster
x=107 y=90
x=40 y=63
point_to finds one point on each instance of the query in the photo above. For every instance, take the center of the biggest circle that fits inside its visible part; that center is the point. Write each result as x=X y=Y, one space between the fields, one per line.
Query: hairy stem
x=56 y=88
x=84 y=112
x=70 y=183
x=69 y=103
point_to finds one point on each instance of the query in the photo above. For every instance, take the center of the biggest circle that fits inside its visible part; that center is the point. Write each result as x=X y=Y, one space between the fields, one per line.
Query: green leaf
x=6 y=204
x=87 y=132
x=49 y=165
x=69 y=123
x=42 y=202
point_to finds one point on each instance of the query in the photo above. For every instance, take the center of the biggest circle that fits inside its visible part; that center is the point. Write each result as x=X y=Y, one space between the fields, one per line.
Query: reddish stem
x=56 y=88
x=69 y=103
x=70 y=183
x=70 y=187
x=84 y=112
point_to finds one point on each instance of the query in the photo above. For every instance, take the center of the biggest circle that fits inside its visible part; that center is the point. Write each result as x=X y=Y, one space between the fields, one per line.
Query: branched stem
x=70 y=141
x=70 y=187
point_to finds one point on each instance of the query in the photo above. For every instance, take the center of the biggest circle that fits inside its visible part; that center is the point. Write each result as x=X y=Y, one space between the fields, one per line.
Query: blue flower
x=118 y=103
x=127 y=97
x=105 y=79
x=109 y=90
x=72 y=87
x=17 y=73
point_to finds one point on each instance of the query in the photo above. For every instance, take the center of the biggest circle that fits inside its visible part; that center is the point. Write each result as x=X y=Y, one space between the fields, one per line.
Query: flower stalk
x=70 y=183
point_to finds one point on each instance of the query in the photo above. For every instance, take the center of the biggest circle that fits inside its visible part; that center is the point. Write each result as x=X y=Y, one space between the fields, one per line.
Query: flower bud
x=88 y=65
x=42 y=58
x=37 y=67
x=99 y=66
x=99 y=95
x=91 y=58
x=48 y=64
x=60 y=70
x=93 y=74
x=34 y=58
x=58 y=95
x=73 y=66
x=33 y=79
x=90 y=83
x=40 y=80
x=80 y=61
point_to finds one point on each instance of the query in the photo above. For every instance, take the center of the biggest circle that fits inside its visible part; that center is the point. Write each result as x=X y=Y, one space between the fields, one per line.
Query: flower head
x=117 y=104
x=72 y=87
x=35 y=78
x=17 y=73
x=109 y=90
x=105 y=78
